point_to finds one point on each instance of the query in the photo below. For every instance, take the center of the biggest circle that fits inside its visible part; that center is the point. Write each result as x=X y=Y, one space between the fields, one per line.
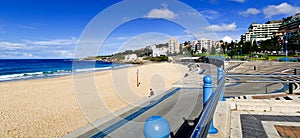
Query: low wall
x=216 y=61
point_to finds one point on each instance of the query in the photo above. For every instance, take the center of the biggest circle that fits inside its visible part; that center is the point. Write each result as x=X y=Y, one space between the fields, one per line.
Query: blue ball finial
x=220 y=69
x=156 y=127
x=207 y=79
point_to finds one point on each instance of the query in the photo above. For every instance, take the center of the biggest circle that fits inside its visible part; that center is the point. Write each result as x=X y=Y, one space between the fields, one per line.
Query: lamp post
x=281 y=43
x=236 y=49
x=230 y=52
x=286 y=50
x=242 y=51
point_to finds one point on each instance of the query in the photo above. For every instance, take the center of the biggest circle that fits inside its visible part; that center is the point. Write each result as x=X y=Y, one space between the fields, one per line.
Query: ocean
x=22 y=69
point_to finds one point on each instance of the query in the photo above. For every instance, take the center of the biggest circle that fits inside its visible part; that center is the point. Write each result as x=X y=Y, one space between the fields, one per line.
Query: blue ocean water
x=18 y=69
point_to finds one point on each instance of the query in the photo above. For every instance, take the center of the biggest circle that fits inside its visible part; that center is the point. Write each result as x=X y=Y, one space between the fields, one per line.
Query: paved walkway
x=266 y=117
x=254 y=114
x=179 y=105
x=272 y=115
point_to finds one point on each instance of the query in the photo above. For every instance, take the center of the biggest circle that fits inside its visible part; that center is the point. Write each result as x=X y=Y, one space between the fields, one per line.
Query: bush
x=159 y=59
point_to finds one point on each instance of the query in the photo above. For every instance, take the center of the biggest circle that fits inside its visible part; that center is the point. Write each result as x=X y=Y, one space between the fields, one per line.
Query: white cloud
x=227 y=39
x=240 y=1
x=65 y=53
x=17 y=55
x=11 y=46
x=187 y=31
x=28 y=55
x=57 y=48
x=249 y=11
x=283 y=8
x=222 y=27
x=57 y=42
x=28 y=44
x=210 y=14
x=161 y=13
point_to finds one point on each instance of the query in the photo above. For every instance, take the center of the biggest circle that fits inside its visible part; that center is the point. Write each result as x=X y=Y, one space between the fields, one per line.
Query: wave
x=102 y=68
x=92 y=69
x=47 y=74
x=32 y=75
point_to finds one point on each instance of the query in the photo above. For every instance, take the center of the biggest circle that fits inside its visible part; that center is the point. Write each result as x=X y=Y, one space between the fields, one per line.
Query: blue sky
x=53 y=28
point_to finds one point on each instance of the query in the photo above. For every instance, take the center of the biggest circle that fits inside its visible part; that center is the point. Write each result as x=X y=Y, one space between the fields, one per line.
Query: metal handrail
x=261 y=75
x=282 y=78
x=264 y=81
x=202 y=127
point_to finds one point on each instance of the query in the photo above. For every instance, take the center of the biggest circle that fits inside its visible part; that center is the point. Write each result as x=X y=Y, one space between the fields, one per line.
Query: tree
x=213 y=50
x=223 y=46
x=247 y=48
x=254 y=46
x=204 y=50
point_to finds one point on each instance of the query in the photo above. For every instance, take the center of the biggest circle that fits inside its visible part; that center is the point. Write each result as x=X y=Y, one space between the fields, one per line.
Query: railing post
x=220 y=75
x=290 y=88
x=156 y=127
x=207 y=91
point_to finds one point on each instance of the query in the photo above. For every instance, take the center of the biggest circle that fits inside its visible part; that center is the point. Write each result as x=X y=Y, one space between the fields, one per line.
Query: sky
x=68 y=29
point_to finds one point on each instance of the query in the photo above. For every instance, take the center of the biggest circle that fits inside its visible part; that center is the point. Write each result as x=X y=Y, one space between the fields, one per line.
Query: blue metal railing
x=210 y=101
x=204 y=125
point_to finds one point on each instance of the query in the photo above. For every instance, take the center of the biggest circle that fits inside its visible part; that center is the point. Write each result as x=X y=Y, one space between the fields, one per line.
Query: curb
x=222 y=120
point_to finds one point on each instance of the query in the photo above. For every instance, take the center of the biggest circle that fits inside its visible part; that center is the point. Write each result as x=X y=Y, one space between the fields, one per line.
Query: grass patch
x=273 y=57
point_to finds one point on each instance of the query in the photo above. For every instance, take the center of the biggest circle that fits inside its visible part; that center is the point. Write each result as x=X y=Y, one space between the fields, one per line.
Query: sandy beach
x=54 y=107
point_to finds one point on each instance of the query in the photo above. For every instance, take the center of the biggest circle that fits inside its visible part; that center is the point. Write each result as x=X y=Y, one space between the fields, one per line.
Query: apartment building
x=290 y=23
x=156 y=52
x=290 y=30
x=261 y=32
x=173 y=46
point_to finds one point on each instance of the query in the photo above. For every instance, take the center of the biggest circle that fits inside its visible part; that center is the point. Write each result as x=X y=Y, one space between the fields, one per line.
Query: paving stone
x=288 y=131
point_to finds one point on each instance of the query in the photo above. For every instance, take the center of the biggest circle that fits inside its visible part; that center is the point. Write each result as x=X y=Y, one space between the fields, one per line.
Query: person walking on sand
x=151 y=93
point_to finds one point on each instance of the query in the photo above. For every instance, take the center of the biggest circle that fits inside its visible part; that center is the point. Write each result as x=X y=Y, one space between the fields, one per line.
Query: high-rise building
x=290 y=23
x=290 y=30
x=243 y=38
x=261 y=32
x=173 y=46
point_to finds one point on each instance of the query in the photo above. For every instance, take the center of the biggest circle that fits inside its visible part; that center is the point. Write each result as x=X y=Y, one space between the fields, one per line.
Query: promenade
x=274 y=115
x=181 y=103
x=249 y=111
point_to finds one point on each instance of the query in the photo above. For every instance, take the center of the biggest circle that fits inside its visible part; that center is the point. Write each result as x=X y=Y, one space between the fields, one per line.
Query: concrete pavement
x=258 y=117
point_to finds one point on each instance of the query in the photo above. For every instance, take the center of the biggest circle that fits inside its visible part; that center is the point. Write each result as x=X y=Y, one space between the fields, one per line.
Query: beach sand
x=54 y=107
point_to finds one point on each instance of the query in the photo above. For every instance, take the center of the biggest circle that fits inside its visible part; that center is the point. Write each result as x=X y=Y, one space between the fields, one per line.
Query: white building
x=261 y=32
x=131 y=57
x=207 y=44
x=203 y=43
x=195 y=45
x=173 y=46
x=156 y=52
